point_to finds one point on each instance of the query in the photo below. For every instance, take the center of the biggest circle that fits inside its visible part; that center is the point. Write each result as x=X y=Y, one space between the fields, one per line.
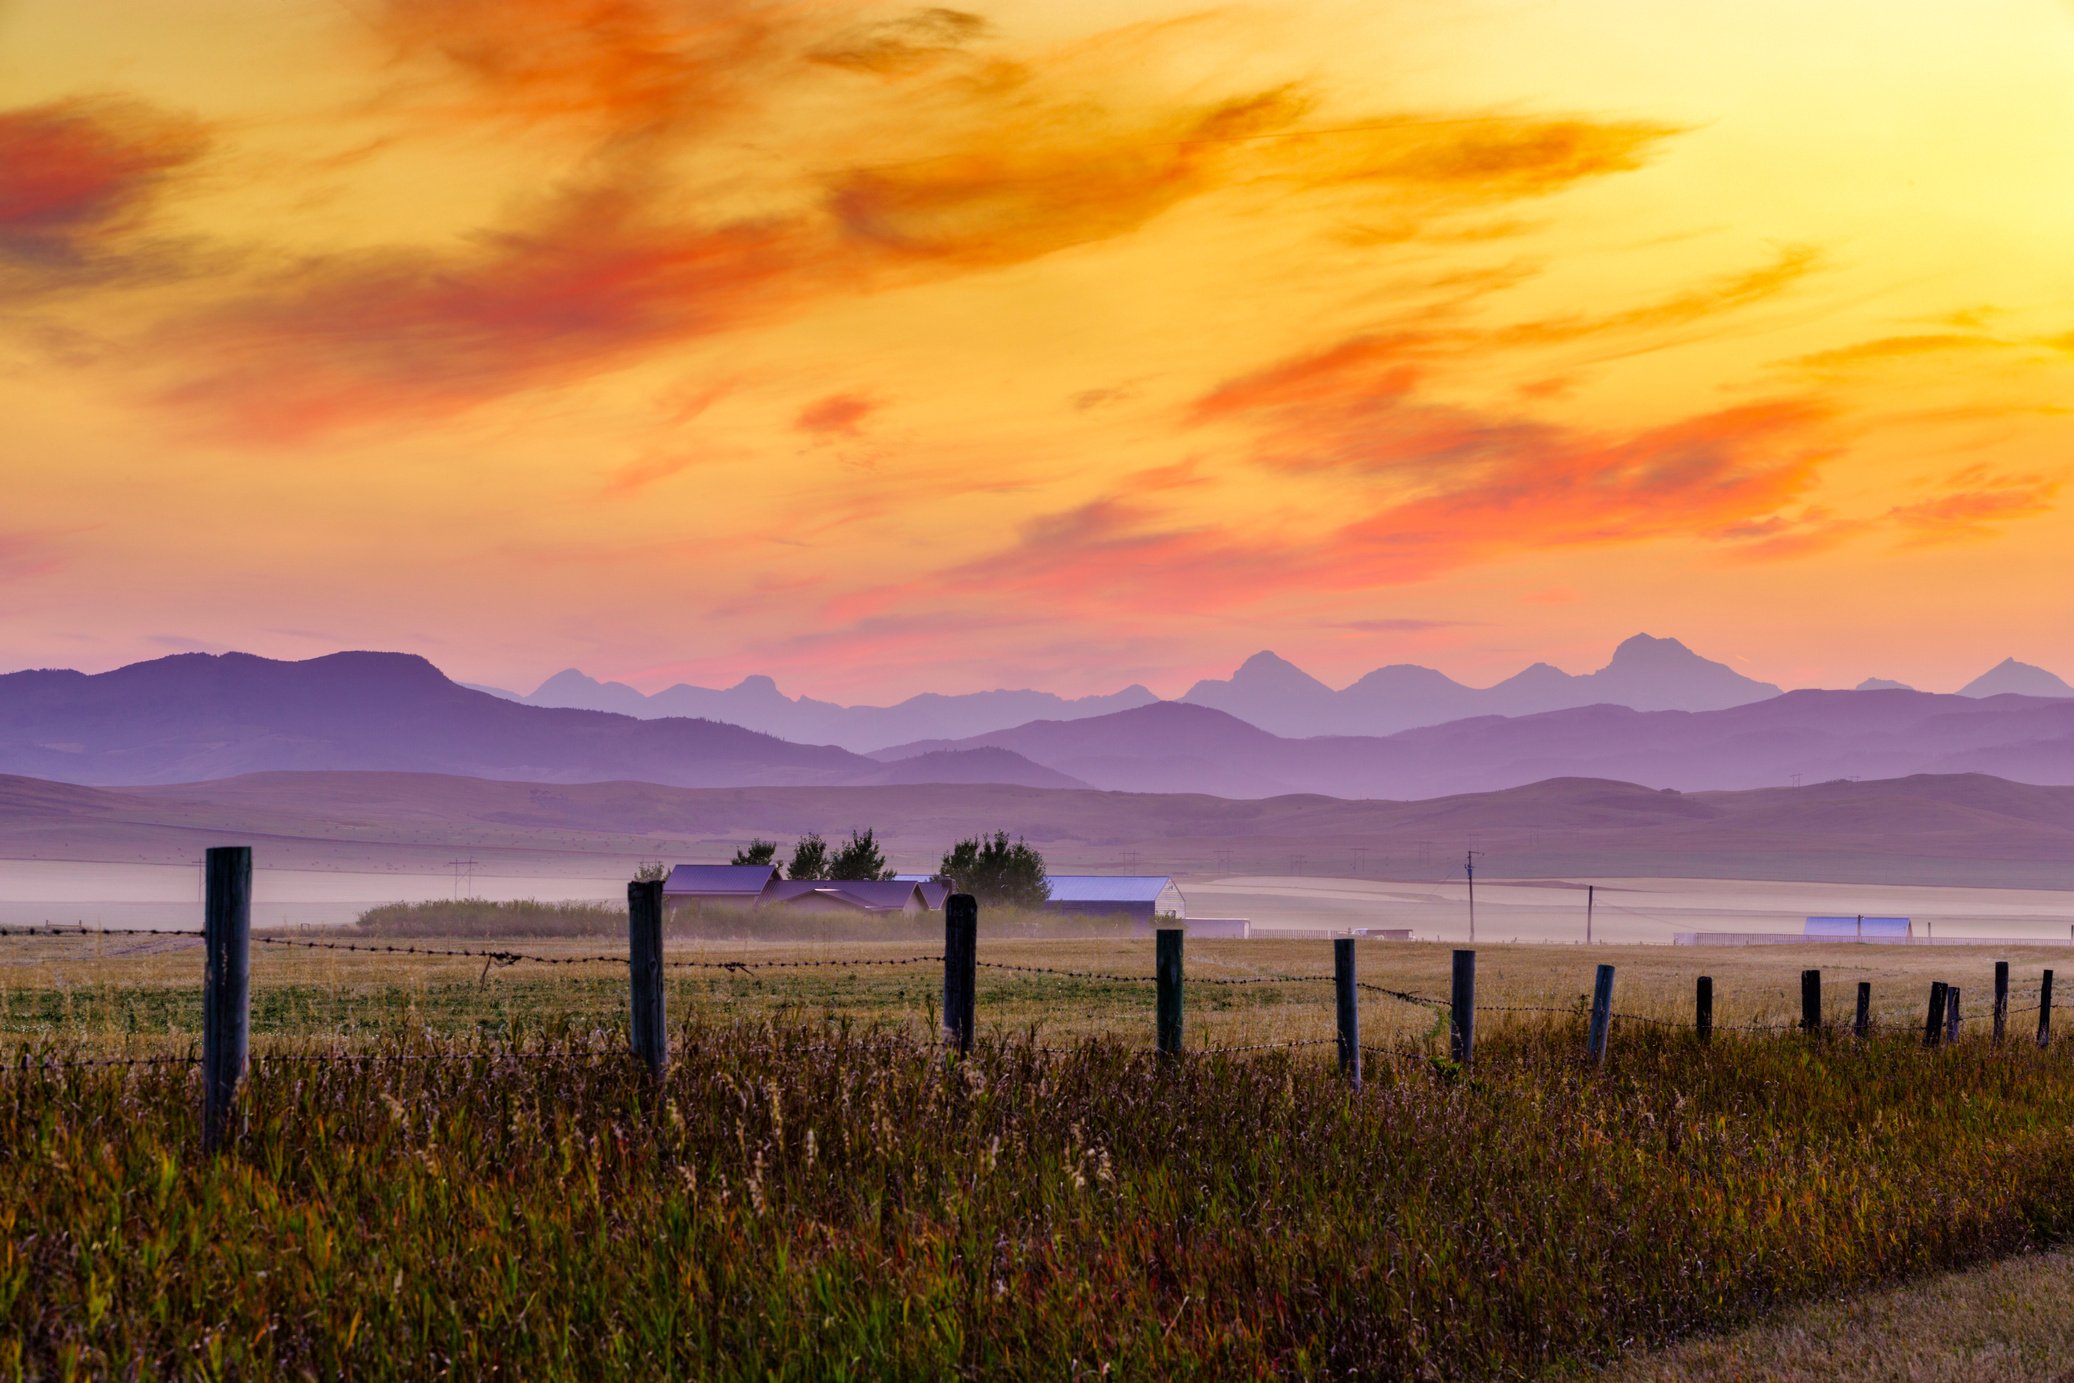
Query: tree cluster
x=994 y=869
x=998 y=871
x=859 y=857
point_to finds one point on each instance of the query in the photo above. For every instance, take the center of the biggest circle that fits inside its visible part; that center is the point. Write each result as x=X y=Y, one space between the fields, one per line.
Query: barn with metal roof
x=694 y=884
x=1140 y=897
x=846 y=896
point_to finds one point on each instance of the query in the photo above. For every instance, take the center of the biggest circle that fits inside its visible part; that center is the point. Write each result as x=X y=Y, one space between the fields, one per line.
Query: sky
x=1059 y=344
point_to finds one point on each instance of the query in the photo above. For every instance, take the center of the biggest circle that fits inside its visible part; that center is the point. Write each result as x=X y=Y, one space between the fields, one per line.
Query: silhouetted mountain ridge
x=194 y=716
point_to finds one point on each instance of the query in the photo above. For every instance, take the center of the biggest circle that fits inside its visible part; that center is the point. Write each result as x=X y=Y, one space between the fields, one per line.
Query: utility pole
x=1469 y=868
x=1591 y=898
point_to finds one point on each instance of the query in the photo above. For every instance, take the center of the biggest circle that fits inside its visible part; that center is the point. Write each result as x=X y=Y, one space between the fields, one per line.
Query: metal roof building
x=846 y=895
x=1860 y=928
x=934 y=890
x=1140 y=897
x=718 y=883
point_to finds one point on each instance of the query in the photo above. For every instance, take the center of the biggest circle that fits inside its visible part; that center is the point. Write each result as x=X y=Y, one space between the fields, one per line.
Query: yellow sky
x=884 y=349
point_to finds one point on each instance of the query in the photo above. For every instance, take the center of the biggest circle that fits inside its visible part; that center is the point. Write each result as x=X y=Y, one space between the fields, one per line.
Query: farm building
x=696 y=884
x=934 y=890
x=1140 y=897
x=1859 y=929
x=846 y=896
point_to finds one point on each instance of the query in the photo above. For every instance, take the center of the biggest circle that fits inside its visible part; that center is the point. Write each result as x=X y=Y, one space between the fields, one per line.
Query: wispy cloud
x=838 y=415
x=78 y=181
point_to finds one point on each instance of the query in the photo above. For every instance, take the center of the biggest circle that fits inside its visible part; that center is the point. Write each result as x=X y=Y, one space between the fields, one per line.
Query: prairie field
x=447 y=1162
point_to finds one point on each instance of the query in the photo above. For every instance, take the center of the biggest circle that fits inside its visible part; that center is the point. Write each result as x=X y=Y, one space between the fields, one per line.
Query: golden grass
x=141 y=994
x=2012 y=1321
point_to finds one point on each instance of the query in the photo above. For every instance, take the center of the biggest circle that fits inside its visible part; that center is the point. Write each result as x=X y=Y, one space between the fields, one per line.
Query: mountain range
x=195 y=716
x=1802 y=736
x=191 y=717
x=1645 y=673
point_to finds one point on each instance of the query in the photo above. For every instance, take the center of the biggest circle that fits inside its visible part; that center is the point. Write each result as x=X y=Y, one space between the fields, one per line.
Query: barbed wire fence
x=227 y=940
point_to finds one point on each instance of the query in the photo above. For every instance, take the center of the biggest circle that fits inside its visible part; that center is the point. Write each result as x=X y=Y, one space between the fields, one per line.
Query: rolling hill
x=1804 y=736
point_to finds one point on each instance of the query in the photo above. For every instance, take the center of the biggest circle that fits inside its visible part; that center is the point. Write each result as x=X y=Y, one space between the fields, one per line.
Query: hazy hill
x=1806 y=736
x=195 y=716
x=2011 y=678
x=1969 y=829
x=756 y=703
x=1645 y=673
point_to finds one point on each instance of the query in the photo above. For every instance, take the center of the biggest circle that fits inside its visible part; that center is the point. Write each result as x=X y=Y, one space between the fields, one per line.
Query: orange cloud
x=838 y=415
x=592 y=285
x=616 y=65
x=1023 y=190
x=1973 y=512
x=1891 y=348
x=77 y=179
x=904 y=46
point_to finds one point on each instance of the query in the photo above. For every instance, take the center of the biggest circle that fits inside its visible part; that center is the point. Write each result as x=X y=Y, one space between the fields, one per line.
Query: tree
x=651 y=871
x=859 y=858
x=998 y=872
x=758 y=851
x=809 y=858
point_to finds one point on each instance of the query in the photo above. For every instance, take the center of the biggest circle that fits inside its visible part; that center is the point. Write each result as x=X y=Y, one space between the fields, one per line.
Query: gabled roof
x=1108 y=888
x=744 y=881
x=866 y=895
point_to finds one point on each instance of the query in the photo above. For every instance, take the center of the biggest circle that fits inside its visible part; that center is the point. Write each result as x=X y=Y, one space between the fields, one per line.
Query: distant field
x=143 y=994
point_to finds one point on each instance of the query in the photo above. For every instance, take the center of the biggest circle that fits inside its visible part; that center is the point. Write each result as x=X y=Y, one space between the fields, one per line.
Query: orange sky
x=1059 y=344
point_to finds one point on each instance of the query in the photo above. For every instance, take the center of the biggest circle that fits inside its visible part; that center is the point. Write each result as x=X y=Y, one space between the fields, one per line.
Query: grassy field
x=142 y=995
x=443 y=1165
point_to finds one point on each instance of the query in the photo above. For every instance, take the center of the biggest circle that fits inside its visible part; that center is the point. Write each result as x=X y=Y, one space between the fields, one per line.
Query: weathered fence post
x=1933 y=1023
x=1167 y=975
x=1951 y=1013
x=1811 y=1001
x=2045 y=1009
x=1461 y=1009
x=1348 y=1003
x=960 y=969
x=2001 y=999
x=1602 y=1014
x=1703 y=1008
x=650 y=1038
x=1862 y=1023
x=226 y=984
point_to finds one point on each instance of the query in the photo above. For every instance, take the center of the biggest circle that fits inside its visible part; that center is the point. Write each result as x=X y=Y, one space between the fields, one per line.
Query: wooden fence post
x=1933 y=1023
x=1167 y=975
x=1951 y=1013
x=1348 y=1003
x=1461 y=1009
x=1602 y=1014
x=2045 y=1009
x=2001 y=1000
x=1703 y=1008
x=1862 y=1023
x=226 y=984
x=650 y=1036
x=1811 y=1001
x=960 y=969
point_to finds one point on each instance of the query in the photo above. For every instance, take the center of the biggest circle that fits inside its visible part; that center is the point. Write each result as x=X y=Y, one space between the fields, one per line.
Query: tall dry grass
x=812 y=1201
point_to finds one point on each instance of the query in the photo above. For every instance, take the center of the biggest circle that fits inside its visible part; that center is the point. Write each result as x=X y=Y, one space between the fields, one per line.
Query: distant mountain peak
x=1647 y=648
x=566 y=679
x=1268 y=663
x=758 y=684
x=1883 y=684
x=2012 y=678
